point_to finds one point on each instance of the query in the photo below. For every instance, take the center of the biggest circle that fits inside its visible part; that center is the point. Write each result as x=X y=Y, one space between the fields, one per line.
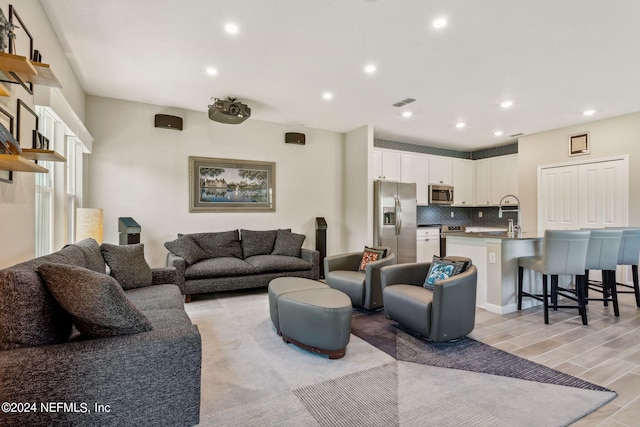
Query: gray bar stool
x=628 y=255
x=564 y=252
x=602 y=254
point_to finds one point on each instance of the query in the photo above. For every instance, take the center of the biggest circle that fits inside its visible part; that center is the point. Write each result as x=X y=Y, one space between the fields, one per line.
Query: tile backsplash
x=464 y=216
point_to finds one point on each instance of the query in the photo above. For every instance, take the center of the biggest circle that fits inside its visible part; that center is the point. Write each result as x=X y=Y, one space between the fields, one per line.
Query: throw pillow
x=257 y=242
x=442 y=268
x=370 y=255
x=187 y=248
x=127 y=264
x=288 y=243
x=96 y=302
x=219 y=244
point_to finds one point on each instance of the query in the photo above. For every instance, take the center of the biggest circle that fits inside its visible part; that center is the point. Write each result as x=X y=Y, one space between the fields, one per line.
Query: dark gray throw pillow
x=187 y=248
x=220 y=244
x=127 y=264
x=96 y=302
x=288 y=243
x=257 y=242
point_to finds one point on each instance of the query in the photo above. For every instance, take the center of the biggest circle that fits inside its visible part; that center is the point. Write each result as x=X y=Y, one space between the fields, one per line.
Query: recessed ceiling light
x=498 y=133
x=231 y=28
x=439 y=23
x=589 y=112
x=407 y=114
x=506 y=104
x=327 y=96
x=460 y=125
x=370 y=68
x=212 y=71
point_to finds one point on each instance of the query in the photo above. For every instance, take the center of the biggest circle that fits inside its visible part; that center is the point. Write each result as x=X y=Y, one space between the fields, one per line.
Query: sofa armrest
x=406 y=274
x=150 y=378
x=163 y=276
x=180 y=265
x=313 y=257
x=349 y=261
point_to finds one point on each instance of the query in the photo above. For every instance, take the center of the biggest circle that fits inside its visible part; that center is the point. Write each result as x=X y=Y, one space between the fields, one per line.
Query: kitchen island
x=495 y=255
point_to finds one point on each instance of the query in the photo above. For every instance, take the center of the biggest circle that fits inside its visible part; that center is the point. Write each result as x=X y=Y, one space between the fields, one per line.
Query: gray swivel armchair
x=363 y=287
x=447 y=313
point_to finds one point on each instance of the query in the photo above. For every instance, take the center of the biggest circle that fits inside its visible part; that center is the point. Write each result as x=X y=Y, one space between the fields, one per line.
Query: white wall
x=17 y=200
x=608 y=137
x=139 y=171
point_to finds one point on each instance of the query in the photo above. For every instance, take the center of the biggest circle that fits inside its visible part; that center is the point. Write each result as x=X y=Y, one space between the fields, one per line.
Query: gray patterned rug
x=466 y=354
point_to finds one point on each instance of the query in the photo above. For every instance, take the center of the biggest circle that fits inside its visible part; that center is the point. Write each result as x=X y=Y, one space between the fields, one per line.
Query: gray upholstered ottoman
x=284 y=285
x=318 y=320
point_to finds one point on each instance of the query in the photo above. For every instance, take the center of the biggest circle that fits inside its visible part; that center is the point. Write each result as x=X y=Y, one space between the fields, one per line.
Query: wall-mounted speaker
x=294 y=138
x=166 y=121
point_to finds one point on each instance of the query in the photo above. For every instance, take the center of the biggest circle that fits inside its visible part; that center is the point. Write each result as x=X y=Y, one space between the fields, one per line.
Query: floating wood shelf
x=28 y=71
x=13 y=162
x=4 y=91
x=45 y=155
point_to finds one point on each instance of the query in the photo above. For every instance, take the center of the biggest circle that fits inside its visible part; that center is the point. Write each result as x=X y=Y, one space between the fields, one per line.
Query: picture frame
x=231 y=185
x=21 y=44
x=7 y=121
x=579 y=144
x=27 y=120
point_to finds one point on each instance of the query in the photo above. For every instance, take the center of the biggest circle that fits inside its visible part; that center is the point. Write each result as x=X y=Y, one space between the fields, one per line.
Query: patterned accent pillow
x=370 y=255
x=442 y=268
x=187 y=248
x=96 y=302
x=288 y=243
x=127 y=265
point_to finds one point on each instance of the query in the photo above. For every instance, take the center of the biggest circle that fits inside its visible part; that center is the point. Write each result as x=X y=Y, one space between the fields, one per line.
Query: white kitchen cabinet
x=427 y=243
x=386 y=164
x=440 y=170
x=483 y=195
x=415 y=168
x=462 y=179
x=495 y=178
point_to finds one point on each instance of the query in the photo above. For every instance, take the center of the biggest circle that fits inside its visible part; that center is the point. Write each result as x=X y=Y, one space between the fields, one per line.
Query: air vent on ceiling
x=515 y=135
x=404 y=102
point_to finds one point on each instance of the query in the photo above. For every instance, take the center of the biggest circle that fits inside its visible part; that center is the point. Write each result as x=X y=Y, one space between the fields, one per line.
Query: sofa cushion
x=92 y=255
x=442 y=268
x=29 y=315
x=95 y=301
x=218 y=267
x=127 y=264
x=257 y=242
x=276 y=263
x=187 y=248
x=288 y=243
x=219 y=244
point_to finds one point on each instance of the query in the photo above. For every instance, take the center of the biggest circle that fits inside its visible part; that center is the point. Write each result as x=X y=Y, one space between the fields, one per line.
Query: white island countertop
x=495 y=255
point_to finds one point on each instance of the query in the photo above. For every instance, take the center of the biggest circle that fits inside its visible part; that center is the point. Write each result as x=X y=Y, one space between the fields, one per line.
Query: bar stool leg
x=611 y=275
x=636 y=287
x=581 y=287
x=545 y=299
x=520 y=276
x=554 y=292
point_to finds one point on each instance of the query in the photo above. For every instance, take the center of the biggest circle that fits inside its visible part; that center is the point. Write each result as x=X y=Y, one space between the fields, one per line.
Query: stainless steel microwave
x=440 y=194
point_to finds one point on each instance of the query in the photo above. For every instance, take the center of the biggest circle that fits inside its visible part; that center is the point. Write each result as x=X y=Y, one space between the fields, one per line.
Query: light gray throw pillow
x=127 y=265
x=96 y=302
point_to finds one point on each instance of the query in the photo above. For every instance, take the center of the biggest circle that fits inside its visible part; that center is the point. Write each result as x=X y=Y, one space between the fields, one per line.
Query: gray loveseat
x=56 y=375
x=228 y=260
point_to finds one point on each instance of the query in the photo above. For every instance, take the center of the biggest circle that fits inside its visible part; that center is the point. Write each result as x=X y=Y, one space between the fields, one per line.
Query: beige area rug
x=250 y=377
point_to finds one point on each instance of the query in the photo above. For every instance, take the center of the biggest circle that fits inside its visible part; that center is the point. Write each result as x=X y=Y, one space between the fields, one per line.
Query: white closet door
x=603 y=194
x=558 y=208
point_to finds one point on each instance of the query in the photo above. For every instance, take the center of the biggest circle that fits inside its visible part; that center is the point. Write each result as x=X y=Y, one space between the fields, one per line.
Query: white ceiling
x=552 y=58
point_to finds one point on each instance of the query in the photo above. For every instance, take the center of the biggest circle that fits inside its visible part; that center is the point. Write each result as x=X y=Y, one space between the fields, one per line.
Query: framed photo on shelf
x=579 y=144
x=229 y=185
x=6 y=120
x=27 y=122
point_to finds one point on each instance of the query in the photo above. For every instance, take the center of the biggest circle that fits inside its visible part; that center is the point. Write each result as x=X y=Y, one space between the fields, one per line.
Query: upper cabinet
x=440 y=170
x=496 y=177
x=415 y=168
x=463 y=174
x=386 y=164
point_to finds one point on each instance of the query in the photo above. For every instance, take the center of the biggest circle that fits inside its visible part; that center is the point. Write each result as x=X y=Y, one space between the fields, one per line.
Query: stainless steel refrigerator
x=395 y=216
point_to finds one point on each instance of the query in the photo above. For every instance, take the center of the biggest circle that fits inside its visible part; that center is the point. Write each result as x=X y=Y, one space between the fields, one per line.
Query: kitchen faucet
x=518 y=227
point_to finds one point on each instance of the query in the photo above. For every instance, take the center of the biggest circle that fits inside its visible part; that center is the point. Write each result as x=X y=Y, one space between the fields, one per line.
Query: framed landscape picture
x=229 y=185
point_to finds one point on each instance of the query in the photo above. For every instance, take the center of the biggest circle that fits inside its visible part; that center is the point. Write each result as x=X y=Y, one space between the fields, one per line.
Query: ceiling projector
x=229 y=111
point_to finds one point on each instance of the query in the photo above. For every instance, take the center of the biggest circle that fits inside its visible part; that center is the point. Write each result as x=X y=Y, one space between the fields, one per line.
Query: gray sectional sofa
x=239 y=259
x=81 y=347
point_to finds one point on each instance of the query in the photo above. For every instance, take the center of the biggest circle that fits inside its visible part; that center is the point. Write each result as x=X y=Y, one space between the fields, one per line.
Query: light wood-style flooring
x=605 y=352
